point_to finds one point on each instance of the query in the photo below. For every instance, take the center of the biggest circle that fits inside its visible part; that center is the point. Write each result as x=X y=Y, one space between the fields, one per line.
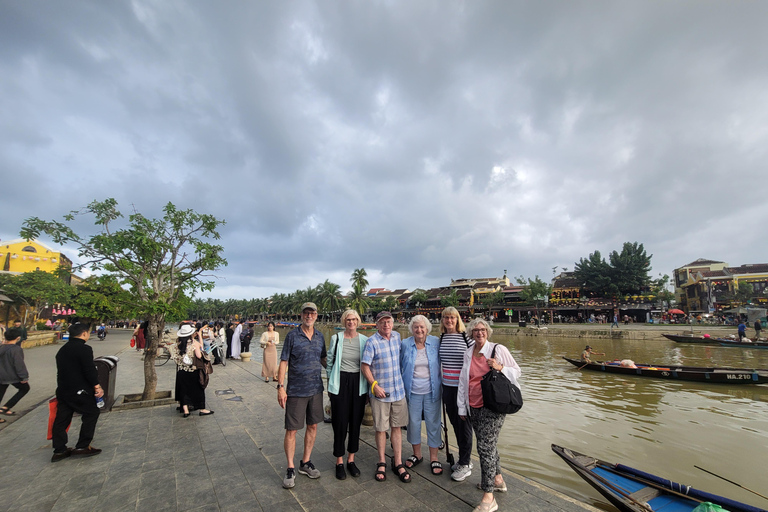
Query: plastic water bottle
x=100 y=402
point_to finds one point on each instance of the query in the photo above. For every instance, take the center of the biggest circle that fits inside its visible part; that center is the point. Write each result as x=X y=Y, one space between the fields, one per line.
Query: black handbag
x=499 y=394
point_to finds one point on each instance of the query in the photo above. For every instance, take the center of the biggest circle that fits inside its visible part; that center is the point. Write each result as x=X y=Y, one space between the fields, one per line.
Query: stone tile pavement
x=155 y=460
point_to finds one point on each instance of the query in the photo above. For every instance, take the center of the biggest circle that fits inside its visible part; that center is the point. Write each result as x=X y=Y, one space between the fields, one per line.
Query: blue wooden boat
x=632 y=490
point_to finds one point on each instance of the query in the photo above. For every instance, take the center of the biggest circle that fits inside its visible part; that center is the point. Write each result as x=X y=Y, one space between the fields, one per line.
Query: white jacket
x=510 y=370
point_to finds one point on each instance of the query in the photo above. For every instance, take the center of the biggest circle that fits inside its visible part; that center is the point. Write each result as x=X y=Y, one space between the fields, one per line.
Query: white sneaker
x=457 y=466
x=461 y=473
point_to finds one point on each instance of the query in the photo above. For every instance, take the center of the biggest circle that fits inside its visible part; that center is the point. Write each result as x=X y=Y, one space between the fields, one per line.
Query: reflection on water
x=659 y=426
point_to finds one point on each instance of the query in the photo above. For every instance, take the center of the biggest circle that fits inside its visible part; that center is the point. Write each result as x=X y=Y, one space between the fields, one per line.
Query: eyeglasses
x=479 y=330
x=310 y=313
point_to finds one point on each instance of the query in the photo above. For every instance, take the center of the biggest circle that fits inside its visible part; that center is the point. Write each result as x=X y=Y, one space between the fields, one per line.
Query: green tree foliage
x=491 y=299
x=629 y=269
x=35 y=290
x=331 y=301
x=532 y=289
x=359 y=278
x=162 y=261
x=100 y=298
x=452 y=299
x=659 y=288
x=418 y=298
x=741 y=295
x=594 y=273
x=625 y=273
x=358 y=299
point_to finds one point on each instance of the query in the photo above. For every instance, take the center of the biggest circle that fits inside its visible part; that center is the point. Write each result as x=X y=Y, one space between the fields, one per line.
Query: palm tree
x=330 y=298
x=358 y=300
x=359 y=278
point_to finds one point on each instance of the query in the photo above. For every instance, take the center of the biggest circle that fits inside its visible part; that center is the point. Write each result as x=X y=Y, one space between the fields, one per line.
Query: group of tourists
x=406 y=382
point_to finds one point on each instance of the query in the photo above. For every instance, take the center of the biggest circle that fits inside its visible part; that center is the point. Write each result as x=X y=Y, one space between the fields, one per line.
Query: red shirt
x=477 y=370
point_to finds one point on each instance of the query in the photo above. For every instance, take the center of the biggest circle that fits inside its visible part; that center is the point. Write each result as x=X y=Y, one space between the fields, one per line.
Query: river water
x=659 y=426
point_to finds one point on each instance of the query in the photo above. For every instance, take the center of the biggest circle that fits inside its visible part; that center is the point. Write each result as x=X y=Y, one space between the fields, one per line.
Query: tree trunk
x=154 y=335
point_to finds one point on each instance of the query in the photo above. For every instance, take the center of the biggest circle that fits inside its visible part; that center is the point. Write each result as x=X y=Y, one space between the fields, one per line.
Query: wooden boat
x=708 y=340
x=632 y=490
x=714 y=375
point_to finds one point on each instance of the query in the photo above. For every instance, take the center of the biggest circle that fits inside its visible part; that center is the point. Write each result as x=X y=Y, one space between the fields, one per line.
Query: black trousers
x=462 y=428
x=23 y=389
x=347 y=409
x=86 y=406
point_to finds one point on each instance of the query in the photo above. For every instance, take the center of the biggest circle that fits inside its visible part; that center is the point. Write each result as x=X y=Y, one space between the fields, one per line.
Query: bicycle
x=163 y=353
x=219 y=350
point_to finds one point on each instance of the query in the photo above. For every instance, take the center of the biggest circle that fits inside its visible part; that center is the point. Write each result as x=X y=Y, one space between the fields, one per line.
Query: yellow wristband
x=372 y=385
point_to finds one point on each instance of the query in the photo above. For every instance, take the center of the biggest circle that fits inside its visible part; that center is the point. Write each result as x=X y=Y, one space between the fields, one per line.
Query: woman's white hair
x=350 y=312
x=420 y=318
x=479 y=321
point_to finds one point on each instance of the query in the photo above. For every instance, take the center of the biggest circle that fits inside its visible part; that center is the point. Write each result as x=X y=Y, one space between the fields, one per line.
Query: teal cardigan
x=333 y=367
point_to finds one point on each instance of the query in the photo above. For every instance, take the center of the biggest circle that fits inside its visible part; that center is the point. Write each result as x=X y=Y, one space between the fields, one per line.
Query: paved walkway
x=156 y=460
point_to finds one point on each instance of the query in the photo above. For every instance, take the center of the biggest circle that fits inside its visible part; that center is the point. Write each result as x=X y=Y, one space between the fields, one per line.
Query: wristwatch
x=280 y=386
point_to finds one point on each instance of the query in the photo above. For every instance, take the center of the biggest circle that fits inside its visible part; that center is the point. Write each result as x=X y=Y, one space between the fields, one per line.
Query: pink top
x=477 y=369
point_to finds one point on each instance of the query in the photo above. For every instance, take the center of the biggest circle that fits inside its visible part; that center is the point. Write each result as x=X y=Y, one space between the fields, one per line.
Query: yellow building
x=19 y=256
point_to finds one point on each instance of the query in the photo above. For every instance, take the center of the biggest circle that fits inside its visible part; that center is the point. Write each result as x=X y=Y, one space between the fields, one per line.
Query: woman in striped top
x=453 y=344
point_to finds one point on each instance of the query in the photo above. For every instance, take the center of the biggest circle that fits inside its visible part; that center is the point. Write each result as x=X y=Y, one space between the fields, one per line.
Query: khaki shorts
x=301 y=408
x=389 y=414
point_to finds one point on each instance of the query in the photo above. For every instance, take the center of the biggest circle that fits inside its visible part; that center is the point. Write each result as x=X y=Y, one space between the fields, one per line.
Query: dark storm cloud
x=421 y=140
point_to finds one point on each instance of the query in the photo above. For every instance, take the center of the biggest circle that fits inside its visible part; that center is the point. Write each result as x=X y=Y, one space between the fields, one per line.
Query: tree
x=626 y=273
x=418 y=298
x=100 y=298
x=594 y=274
x=161 y=260
x=35 y=290
x=659 y=289
x=491 y=299
x=629 y=269
x=330 y=297
x=358 y=300
x=359 y=278
x=450 y=300
x=535 y=291
x=741 y=295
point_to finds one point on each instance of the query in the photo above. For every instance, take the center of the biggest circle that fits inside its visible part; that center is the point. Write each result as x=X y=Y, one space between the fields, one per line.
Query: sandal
x=405 y=476
x=437 y=468
x=381 y=474
x=7 y=412
x=2 y=420
x=413 y=460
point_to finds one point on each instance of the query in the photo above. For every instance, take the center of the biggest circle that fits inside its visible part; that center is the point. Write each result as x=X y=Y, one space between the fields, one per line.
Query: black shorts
x=301 y=408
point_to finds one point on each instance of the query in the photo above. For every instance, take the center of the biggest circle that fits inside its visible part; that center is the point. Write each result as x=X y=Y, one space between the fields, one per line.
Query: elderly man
x=77 y=391
x=380 y=364
x=303 y=358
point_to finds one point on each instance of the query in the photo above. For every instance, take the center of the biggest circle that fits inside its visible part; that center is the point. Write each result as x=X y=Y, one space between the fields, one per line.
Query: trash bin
x=521 y=323
x=106 y=367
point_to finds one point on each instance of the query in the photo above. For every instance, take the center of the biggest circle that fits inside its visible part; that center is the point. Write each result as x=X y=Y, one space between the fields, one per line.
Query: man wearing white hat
x=303 y=358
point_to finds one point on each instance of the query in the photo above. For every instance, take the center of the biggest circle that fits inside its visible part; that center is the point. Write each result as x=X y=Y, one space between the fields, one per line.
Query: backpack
x=246 y=335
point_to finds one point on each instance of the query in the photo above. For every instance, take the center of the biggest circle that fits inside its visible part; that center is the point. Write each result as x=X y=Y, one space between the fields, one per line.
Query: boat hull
x=631 y=490
x=708 y=340
x=688 y=373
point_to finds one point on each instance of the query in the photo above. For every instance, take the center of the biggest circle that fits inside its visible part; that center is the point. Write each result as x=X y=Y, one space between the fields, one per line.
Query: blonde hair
x=350 y=312
x=452 y=311
x=422 y=319
x=479 y=321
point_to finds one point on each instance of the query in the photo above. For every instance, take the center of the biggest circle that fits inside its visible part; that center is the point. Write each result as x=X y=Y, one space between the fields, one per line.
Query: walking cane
x=448 y=455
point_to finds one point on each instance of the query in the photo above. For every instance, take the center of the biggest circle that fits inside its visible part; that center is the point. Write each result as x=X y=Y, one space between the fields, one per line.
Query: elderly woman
x=269 y=341
x=347 y=391
x=486 y=423
x=189 y=392
x=420 y=367
x=453 y=344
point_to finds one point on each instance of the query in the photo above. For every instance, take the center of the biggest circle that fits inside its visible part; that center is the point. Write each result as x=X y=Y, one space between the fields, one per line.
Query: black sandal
x=435 y=466
x=405 y=476
x=380 y=472
x=413 y=460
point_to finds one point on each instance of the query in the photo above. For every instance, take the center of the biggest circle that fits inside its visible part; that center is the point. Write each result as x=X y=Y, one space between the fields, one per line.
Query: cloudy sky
x=421 y=140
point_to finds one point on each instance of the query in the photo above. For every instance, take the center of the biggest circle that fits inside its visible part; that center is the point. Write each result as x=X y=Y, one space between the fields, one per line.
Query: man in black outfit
x=78 y=388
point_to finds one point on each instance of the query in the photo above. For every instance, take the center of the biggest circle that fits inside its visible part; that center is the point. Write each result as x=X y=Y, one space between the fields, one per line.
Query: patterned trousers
x=487 y=425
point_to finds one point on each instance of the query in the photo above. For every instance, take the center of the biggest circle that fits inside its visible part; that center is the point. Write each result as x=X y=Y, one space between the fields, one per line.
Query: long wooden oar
x=731 y=482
